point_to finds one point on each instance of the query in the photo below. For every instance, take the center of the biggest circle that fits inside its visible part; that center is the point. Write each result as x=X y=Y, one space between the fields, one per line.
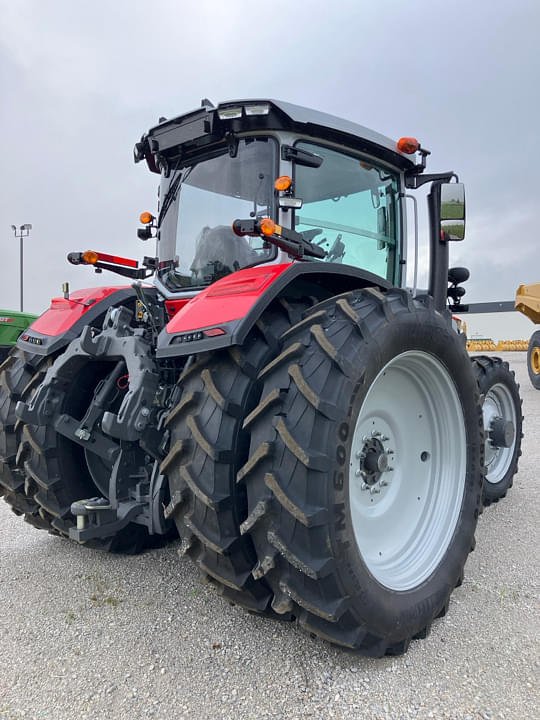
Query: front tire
x=365 y=473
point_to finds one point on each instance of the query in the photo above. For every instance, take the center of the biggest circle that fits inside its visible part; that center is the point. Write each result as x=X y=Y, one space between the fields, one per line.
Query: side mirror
x=453 y=211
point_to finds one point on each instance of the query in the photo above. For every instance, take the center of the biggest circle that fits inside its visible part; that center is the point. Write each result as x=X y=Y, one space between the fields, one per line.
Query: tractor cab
x=332 y=187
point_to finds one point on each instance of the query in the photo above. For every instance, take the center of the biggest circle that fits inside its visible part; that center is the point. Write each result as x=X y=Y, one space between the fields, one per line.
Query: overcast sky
x=81 y=81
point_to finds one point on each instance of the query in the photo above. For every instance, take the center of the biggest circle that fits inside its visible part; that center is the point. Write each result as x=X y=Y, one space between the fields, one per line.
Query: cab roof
x=183 y=134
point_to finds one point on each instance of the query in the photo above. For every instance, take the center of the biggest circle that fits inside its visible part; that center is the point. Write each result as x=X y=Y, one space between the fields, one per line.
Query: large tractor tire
x=533 y=359
x=503 y=421
x=364 y=479
x=19 y=375
x=42 y=472
x=208 y=446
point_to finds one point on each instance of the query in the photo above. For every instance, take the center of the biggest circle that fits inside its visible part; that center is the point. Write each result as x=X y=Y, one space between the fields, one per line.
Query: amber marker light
x=146 y=218
x=90 y=256
x=269 y=227
x=408 y=145
x=283 y=182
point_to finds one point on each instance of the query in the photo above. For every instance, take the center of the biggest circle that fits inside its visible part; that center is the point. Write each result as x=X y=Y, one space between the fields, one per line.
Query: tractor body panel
x=222 y=314
x=66 y=318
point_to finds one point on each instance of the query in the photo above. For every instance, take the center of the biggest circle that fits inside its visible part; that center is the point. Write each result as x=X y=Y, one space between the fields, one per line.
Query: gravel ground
x=90 y=635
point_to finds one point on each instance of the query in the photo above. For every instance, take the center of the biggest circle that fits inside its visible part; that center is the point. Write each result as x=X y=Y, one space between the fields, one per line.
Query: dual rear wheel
x=352 y=499
x=41 y=472
x=503 y=421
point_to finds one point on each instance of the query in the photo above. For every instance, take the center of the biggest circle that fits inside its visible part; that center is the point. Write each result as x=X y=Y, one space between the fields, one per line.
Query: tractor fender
x=222 y=314
x=66 y=318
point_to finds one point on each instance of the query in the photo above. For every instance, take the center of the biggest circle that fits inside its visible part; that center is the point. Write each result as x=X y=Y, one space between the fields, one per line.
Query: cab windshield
x=197 y=244
x=350 y=208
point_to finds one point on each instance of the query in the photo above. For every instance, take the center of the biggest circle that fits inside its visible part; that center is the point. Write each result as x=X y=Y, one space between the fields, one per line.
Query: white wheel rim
x=498 y=403
x=404 y=527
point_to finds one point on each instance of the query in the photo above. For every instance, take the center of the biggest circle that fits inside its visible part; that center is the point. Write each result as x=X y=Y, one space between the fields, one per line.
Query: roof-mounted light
x=229 y=113
x=146 y=218
x=262 y=109
x=408 y=145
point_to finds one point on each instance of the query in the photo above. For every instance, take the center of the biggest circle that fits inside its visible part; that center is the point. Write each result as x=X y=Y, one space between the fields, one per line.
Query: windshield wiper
x=261 y=177
x=172 y=192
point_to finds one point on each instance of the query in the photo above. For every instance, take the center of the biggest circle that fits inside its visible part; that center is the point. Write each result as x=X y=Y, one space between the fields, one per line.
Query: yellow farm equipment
x=528 y=303
x=481 y=345
x=511 y=345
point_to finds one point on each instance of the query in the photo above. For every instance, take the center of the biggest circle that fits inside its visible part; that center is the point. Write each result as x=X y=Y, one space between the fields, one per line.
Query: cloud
x=82 y=81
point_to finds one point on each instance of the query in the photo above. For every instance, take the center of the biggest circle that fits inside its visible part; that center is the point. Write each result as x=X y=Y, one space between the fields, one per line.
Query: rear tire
x=533 y=359
x=366 y=570
x=19 y=376
x=501 y=399
x=208 y=446
x=42 y=472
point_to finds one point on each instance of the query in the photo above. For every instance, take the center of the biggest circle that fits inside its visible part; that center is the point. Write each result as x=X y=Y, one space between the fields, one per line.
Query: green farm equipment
x=12 y=324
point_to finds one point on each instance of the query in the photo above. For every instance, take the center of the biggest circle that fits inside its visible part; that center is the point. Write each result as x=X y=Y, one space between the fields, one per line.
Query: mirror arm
x=415 y=181
x=439 y=253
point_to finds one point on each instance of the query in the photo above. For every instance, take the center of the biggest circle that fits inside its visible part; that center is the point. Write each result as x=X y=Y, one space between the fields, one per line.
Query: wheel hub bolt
x=374 y=463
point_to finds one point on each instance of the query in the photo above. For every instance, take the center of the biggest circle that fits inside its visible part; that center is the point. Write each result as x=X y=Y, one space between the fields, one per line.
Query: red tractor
x=310 y=426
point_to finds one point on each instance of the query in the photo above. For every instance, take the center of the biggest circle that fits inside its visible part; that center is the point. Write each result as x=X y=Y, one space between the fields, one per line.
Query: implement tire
x=208 y=446
x=42 y=472
x=364 y=479
x=533 y=359
x=500 y=402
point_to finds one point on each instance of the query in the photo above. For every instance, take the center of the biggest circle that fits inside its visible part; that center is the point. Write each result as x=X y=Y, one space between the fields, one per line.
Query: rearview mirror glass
x=453 y=211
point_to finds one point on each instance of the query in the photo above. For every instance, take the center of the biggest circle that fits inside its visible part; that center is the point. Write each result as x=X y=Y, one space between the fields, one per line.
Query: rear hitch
x=97 y=518
x=142 y=504
x=122 y=426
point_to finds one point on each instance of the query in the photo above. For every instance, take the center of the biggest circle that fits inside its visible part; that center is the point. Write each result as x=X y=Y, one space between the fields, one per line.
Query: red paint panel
x=173 y=306
x=227 y=299
x=117 y=260
x=64 y=313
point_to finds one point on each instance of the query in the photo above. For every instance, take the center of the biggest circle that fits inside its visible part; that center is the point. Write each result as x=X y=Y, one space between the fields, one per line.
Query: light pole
x=24 y=231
